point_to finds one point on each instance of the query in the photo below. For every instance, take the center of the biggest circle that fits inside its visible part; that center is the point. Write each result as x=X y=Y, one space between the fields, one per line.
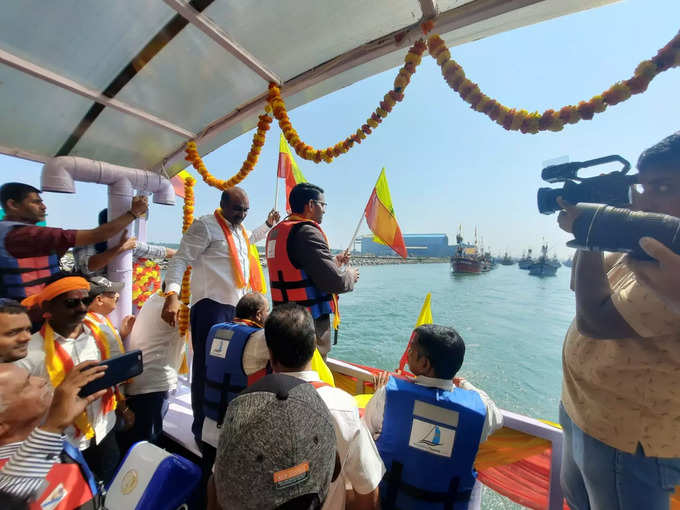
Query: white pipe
x=59 y=175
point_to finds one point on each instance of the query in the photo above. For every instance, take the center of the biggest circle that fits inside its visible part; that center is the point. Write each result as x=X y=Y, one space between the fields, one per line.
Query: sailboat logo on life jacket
x=433 y=438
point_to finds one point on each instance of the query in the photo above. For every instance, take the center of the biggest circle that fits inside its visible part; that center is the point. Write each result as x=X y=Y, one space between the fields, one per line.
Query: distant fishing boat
x=466 y=259
x=526 y=260
x=544 y=266
x=507 y=260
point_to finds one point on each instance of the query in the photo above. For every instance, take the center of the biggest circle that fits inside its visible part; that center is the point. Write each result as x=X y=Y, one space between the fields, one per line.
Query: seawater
x=513 y=325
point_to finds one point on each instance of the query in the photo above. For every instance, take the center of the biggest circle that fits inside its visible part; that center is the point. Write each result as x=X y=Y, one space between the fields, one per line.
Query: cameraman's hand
x=567 y=215
x=662 y=277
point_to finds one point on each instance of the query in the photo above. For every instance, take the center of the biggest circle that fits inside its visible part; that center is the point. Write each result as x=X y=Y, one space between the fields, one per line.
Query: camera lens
x=547 y=200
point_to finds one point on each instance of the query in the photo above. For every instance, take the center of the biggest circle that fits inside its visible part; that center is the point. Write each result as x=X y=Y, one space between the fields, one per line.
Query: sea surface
x=513 y=326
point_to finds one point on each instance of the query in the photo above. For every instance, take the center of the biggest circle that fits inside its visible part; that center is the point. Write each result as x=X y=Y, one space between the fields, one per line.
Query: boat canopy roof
x=131 y=81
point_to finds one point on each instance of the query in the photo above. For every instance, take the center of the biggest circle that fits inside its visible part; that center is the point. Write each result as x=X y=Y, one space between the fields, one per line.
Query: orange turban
x=56 y=289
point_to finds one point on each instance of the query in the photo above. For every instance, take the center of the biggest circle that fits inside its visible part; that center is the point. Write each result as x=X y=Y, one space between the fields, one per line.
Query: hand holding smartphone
x=119 y=369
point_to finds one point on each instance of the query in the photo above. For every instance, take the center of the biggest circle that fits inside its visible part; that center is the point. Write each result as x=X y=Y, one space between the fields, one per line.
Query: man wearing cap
x=91 y=260
x=30 y=254
x=105 y=295
x=291 y=339
x=15 y=330
x=277 y=448
x=218 y=249
x=35 y=460
x=65 y=340
x=301 y=267
x=236 y=357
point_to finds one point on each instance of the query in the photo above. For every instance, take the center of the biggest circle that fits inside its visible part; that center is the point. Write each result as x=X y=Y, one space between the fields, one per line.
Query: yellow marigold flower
x=381 y=112
x=443 y=57
x=518 y=119
x=372 y=123
x=646 y=68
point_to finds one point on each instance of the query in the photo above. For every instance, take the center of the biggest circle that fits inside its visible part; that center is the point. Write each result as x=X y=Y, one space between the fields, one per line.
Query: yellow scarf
x=59 y=363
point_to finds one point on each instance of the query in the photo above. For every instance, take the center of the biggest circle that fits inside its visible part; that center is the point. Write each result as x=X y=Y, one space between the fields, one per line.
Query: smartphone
x=118 y=369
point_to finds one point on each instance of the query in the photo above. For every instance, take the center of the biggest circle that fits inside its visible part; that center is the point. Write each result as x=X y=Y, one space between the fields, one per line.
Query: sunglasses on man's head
x=73 y=302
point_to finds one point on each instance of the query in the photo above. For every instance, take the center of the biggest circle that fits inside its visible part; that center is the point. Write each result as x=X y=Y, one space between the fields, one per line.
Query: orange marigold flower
x=617 y=93
x=443 y=56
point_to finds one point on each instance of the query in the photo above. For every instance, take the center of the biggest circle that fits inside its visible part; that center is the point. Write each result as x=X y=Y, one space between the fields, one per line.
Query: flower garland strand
x=188 y=219
x=550 y=120
x=248 y=165
x=147 y=280
x=278 y=107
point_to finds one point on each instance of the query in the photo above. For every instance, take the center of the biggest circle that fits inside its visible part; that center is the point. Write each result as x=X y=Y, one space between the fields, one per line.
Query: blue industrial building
x=417 y=245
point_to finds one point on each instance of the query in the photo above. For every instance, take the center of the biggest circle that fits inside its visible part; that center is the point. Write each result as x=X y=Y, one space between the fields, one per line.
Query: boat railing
x=511 y=420
x=534 y=427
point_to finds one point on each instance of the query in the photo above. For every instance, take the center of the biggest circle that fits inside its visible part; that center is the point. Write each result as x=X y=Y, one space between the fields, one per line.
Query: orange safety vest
x=287 y=282
x=67 y=489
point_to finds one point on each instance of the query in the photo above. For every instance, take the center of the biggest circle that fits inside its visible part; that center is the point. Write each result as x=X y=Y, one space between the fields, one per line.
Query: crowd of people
x=272 y=430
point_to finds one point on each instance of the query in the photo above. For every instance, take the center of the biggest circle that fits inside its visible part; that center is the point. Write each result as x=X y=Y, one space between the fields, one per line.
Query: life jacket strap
x=224 y=387
x=393 y=477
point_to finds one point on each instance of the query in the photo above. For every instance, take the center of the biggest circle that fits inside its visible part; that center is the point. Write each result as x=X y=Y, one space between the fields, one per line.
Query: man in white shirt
x=291 y=339
x=448 y=415
x=216 y=246
x=147 y=394
x=65 y=340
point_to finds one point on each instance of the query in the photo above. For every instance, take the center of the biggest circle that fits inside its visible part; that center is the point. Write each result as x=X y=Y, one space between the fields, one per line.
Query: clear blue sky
x=446 y=164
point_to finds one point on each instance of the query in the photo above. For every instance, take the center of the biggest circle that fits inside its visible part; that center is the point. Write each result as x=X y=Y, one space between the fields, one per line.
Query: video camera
x=612 y=188
x=605 y=228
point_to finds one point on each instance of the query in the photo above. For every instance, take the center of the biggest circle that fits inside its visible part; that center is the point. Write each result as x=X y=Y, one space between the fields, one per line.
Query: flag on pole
x=381 y=218
x=178 y=183
x=425 y=317
x=288 y=169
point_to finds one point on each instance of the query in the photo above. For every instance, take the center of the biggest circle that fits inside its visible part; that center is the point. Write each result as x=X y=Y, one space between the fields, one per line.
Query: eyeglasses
x=321 y=204
x=73 y=302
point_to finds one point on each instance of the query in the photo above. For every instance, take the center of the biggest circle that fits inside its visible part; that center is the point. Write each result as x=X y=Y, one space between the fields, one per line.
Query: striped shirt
x=28 y=463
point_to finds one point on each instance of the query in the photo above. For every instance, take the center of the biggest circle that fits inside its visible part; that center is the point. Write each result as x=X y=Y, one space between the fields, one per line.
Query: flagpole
x=276 y=190
x=351 y=243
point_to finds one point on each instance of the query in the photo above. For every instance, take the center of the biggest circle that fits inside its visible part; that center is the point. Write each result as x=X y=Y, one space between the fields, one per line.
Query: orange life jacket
x=287 y=282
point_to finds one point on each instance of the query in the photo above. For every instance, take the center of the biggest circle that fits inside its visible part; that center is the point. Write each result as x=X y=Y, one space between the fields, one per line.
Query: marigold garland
x=248 y=165
x=278 y=107
x=147 y=280
x=550 y=120
x=188 y=219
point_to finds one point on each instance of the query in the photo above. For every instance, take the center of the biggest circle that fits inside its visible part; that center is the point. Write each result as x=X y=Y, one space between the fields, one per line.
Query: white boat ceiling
x=130 y=81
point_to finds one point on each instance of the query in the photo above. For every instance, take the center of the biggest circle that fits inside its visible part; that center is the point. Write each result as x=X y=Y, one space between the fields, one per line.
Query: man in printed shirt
x=216 y=246
x=67 y=339
x=32 y=444
x=621 y=363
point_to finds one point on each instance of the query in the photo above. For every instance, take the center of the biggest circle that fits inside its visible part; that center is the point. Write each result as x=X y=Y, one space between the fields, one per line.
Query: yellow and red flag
x=288 y=169
x=178 y=183
x=381 y=218
x=425 y=317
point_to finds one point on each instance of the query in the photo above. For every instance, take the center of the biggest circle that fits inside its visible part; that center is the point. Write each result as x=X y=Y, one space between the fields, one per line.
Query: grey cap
x=100 y=284
x=277 y=444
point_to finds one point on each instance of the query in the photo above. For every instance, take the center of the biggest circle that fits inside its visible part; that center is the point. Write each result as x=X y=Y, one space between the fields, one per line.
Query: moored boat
x=507 y=260
x=526 y=260
x=466 y=259
x=544 y=266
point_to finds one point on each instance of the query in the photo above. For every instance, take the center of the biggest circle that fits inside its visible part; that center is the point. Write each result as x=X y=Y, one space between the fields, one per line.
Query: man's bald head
x=234 y=204
x=254 y=307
